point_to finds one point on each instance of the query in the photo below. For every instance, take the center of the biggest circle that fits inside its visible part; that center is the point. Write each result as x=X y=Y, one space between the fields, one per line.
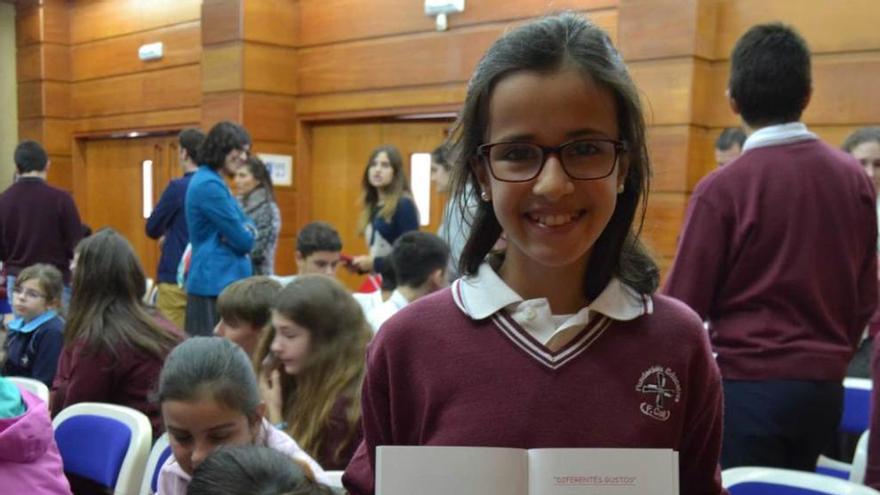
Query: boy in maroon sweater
x=778 y=254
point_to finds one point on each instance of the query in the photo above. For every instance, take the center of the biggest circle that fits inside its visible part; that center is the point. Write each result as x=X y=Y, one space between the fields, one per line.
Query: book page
x=602 y=471
x=404 y=470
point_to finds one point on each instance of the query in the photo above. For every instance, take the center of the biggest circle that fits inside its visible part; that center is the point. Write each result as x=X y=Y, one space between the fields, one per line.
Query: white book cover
x=404 y=470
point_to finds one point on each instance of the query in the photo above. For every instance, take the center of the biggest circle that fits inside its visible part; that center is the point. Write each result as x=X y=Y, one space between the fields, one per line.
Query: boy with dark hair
x=40 y=223
x=245 y=309
x=729 y=145
x=419 y=260
x=167 y=223
x=318 y=248
x=778 y=254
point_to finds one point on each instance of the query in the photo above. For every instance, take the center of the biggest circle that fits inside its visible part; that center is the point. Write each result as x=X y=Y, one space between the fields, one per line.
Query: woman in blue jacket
x=220 y=233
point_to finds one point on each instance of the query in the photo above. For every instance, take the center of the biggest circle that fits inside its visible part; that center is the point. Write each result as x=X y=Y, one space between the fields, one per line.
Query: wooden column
x=43 y=74
x=669 y=46
x=249 y=77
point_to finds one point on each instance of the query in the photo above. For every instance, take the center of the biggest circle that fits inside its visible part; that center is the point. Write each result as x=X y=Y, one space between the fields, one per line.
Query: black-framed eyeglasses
x=27 y=293
x=582 y=159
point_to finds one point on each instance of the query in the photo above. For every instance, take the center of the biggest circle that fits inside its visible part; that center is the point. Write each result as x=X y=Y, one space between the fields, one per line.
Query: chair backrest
x=772 y=481
x=860 y=460
x=160 y=452
x=106 y=443
x=334 y=478
x=32 y=385
x=856 y=405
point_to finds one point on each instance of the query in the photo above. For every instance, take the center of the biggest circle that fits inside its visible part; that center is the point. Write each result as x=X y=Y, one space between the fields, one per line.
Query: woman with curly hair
x=221 y=234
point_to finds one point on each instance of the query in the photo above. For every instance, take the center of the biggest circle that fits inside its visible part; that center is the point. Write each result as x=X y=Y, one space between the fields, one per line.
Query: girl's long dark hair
x=339 y=335
x=106 y=308
x=547 y=45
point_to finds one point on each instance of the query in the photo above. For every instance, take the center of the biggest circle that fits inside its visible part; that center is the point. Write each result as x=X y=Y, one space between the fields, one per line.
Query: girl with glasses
x=559 y=341
x=35 y=334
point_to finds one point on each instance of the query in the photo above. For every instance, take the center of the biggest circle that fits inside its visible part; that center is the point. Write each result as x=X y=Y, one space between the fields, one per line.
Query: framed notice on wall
x=280 y=168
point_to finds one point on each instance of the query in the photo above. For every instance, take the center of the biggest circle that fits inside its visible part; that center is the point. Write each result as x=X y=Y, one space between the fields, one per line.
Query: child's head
x=555 y=214
x=319 y=335
x=106 y=267
x=245 y=309
x=318 y=248
x=728 y=145
x=209 y=397
x=864 y=145
x=420 y=260
x=770 y=81
x=252 y=470
x=315 y=322
x=190 y=139
x=37 y=289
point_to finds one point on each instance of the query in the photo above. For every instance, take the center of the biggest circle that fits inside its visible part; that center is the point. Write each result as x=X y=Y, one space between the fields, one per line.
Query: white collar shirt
x=775 y=135
x=378 y=315
x=483 y=295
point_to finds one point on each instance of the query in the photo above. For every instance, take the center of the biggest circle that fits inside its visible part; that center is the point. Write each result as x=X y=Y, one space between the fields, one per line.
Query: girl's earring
x=620 y=188
x=485 y=196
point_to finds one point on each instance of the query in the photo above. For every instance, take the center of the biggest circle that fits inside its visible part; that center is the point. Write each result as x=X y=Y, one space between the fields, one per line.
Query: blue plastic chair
x=772 y=481
x=856 y=419
x=104 y=443
x=158 y=455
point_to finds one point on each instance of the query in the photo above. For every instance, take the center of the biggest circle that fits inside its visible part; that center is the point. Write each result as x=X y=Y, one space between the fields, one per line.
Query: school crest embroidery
x=662 y=389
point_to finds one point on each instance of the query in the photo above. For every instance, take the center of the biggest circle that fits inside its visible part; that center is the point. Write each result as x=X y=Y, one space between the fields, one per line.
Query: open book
x=502 y=471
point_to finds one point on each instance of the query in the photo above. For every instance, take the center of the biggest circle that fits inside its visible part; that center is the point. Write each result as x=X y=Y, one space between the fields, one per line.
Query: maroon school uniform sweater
x=778 y=253
x=437 y=377
x=128 y=379
x=872 y=469
x=38 y=224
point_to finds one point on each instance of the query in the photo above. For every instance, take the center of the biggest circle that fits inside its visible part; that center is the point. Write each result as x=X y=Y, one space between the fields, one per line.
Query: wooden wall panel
x=396 y=62
x=217 y=107
x=160 y=119
x=222 y=67
x=662 y=222
x=56 y=21
x=285 y=254
x=277 y=21
x=54 y=134
x=43 y=99
x=222 y=21
x=60 y=172
x=269 y=69
x=828 y=27
x=332 y=21
x=43 y=61
x=164 y=89
x=665 y=86
x=680 y=156
x=119 y=55
x=270 y=117
x=680 y=25
x=28 y=25
x=384 y=100
x=97 y=19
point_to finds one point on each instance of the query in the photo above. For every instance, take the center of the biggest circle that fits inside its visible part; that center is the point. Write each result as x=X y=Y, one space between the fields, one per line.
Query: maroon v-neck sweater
x=778 y=253
x=437 y=377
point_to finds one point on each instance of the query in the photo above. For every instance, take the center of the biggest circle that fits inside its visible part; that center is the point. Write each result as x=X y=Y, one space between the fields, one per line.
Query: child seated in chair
x=35 y=335
x=29 y=458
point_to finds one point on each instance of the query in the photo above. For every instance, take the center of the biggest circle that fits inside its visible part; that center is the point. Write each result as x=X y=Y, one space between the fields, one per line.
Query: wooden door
x=111 y=188
x=339 y=154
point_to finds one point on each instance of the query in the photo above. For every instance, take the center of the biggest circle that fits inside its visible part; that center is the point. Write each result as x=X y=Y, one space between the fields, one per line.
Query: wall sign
x=280 y=168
